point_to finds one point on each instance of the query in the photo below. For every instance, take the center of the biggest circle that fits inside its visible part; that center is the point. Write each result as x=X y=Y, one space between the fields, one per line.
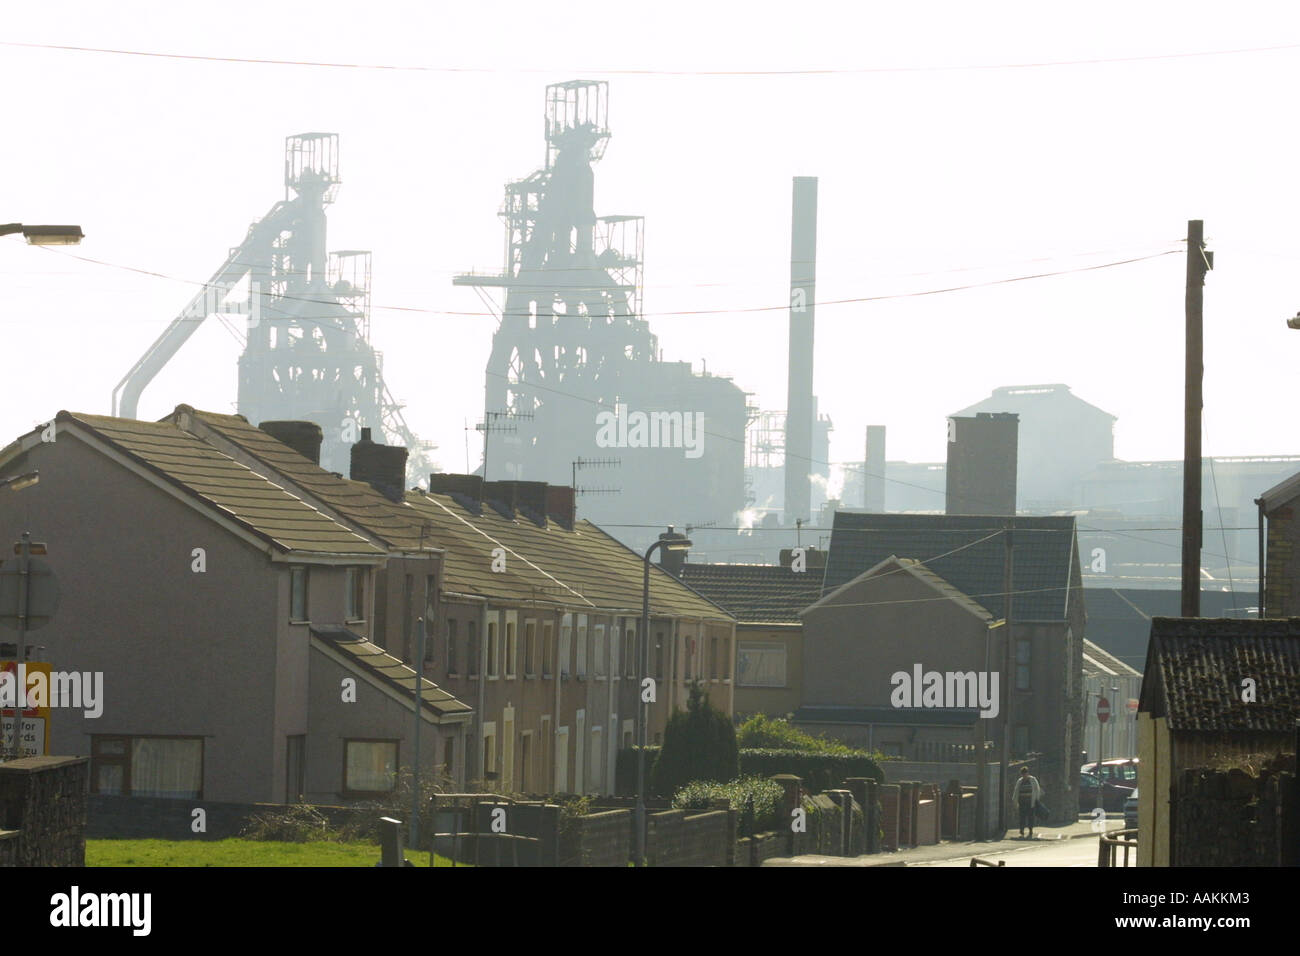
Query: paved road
x=1078 y=852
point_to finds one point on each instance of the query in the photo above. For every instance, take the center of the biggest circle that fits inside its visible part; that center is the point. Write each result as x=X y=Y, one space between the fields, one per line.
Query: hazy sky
x=954 y=146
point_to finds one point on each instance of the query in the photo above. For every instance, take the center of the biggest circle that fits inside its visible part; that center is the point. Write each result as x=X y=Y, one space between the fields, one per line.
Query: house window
x=584 y=649
x=530 y=648
x=1022 y=664
x=492 y=649
x=713 y=658
x=298 y=594
x=147 y=766
x=490 y=751
x=1020 y=740
x=599 y=638
x=408 y=606
x=369 y=766
x=356 y=594
x=566 y=646
x=629 y=652
x=727 y=662
x=471 y=648
x=761 y=665
x=548 y=649
x=451 y=646
x=449 y=756
x=512 y=649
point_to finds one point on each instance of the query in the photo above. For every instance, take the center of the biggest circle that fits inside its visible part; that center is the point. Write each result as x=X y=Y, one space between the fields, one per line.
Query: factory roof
x=1097 y=662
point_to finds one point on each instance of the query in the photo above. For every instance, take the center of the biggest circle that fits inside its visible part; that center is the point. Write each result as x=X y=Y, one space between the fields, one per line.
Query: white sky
x=165 y=163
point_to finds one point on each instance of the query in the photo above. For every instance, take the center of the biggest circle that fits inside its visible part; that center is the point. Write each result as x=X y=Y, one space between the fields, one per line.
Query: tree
x=699 y=744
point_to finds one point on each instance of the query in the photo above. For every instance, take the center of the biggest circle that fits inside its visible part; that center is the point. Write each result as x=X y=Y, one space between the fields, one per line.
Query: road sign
x=35 y=721
x=1132 y=705
x=42 y=593
x=1103 y=710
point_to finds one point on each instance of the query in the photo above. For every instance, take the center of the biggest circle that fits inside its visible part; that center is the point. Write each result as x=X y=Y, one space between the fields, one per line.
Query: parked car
x=1118 y=770
x=1131 y=811
x=1113 y=795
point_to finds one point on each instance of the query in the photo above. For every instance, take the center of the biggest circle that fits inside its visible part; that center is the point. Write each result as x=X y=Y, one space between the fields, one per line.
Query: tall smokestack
x=873 y=481
x=799 y=397
x=982 y=464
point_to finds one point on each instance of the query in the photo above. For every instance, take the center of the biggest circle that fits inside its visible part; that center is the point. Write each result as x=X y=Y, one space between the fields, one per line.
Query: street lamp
x=45 y=235
x=674 y=542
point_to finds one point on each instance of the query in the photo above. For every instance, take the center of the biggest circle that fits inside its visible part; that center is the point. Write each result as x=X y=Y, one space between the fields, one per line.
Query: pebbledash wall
x=43 y=800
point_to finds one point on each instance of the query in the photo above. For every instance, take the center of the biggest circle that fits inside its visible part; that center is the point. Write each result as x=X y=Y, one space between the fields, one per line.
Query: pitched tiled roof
x=1195 y=668
x=375 y=660
x=756 y=593
x=582 y=567
x=896 y=565
x=967 y=551
x=261 y=506
x=393 y=522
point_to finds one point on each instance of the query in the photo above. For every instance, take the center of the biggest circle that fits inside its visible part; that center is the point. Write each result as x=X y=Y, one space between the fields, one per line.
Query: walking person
x=1028 y=794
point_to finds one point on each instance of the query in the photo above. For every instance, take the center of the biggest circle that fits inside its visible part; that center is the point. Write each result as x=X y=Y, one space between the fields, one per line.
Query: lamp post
x=45 y=235
x=669 y=541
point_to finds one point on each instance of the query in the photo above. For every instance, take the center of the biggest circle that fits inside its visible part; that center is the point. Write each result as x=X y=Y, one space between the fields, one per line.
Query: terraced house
x=239 y=619
x=540 y=633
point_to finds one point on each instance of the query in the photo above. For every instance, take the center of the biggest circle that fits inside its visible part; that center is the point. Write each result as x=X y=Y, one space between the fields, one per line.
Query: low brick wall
x=44 y=805
x=762 y=846
x=598 y=839
x=890 y=797
x=675 y=839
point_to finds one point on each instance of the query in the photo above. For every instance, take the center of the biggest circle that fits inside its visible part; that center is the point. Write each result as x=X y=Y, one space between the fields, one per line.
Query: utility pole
x=1199 y=261
x=1008 y=672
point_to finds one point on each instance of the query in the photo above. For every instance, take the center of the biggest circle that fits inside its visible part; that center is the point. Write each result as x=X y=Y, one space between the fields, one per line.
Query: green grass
x=237 y=852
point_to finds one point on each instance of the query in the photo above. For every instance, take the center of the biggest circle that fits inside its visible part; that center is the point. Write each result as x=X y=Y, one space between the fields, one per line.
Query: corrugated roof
x=756 y=593
x=393 y=522
x=968 y=552
x=550 y=564
x=1195 y=668
x=377 y=661
x=259 y=505
x=1099 y=662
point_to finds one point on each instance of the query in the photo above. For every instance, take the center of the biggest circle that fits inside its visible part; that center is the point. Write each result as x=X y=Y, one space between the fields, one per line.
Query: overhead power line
x=633 y=71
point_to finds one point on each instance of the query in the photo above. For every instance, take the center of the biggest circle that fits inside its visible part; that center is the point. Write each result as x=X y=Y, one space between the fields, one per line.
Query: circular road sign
x=1103 y=710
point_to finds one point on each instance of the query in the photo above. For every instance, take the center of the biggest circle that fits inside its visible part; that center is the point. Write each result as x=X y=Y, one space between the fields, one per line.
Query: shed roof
x=1195 y=669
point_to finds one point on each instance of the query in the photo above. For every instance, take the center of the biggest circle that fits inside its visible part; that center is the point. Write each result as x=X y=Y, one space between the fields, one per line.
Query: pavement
x=951 y=850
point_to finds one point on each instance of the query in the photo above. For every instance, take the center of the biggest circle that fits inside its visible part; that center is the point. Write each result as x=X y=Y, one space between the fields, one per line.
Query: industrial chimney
x=982 y=464
x=800 y=407
x=302 y=437
x=383 y=467
x=873 y=478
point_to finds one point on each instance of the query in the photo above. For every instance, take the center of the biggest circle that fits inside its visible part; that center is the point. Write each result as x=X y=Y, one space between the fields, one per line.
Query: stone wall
x=1229 y=818
x=702 y=839
x=43 y=800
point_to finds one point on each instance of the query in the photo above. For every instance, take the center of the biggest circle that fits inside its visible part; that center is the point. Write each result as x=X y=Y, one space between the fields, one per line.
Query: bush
x=699 y=744
x=761 y=732
x=698 y=795
x=625 y=770
x=296 y=823
x=819 y=771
